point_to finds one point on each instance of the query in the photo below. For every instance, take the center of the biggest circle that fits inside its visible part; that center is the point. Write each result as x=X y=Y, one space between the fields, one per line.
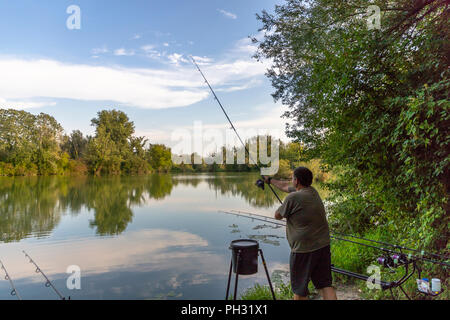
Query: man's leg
x=328 y=293
x=321 y=275
x=300 y=274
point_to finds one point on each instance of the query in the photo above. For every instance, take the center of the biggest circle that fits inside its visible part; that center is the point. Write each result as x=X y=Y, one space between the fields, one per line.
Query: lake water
x=152 y=237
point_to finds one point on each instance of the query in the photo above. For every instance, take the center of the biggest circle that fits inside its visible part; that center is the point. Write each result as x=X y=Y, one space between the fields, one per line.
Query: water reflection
x=33 y=206
x=152 y=237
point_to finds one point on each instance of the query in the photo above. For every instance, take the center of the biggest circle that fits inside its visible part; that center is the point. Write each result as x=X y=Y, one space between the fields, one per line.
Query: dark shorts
x=315 y=266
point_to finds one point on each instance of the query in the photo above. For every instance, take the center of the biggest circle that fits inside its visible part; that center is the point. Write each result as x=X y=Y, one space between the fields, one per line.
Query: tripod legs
x=229 y=279
x=237 y=276
x=267 y=274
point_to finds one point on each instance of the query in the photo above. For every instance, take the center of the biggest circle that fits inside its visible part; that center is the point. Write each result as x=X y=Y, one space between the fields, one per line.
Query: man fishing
x=307 y=233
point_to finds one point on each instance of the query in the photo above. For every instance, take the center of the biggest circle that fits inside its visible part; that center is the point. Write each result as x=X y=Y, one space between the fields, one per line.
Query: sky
x=133 y=56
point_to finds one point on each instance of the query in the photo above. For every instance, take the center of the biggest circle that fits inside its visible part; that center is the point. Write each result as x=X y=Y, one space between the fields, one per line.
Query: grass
x=283 y=290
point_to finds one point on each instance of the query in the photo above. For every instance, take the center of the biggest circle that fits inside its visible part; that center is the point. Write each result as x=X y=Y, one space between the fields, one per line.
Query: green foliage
x=75 y=145
x=29 y=143
x=282 y=289
x=284 y=170
x=35 y=145
x=373 y=105
x=160 y=157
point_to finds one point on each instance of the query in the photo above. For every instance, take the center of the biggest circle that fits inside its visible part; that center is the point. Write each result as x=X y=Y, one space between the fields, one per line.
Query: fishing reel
x=393 y=261
x=386 y=262
x=400 y=259
x=260 y=183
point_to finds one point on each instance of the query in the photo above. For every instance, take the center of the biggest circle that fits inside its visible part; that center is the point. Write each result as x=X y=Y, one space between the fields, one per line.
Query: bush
x=6 y=169
x=284 y=170
x=77 y=167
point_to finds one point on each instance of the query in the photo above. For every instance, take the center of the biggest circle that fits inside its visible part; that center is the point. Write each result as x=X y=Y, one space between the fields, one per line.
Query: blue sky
x=133 y=56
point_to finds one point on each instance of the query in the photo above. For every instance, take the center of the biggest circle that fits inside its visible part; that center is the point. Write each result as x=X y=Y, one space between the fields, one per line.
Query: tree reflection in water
x=33 y=206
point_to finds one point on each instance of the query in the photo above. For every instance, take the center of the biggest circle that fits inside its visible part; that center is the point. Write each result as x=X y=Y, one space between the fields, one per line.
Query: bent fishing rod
x=233 y=127
x=48 y=283
x=276 y=195
x=254 y=216
x=421 y=252
x=14 y=291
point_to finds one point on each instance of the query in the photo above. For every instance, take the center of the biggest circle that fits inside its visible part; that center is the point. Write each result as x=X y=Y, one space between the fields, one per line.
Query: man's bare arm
x=280 y=184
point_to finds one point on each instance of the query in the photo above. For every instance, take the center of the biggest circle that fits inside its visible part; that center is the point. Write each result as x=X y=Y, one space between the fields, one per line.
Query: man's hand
x=267 y=179
x=278 y=216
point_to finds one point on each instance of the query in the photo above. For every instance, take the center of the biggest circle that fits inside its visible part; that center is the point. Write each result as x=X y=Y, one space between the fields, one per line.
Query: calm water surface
x=152 y=237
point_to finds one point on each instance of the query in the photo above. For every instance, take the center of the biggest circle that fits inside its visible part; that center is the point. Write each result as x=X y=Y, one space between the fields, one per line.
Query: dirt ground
x=348 y=292
x=345 y=292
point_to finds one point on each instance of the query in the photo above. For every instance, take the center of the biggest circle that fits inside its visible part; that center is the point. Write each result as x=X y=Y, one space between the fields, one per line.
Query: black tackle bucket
x=248 y=256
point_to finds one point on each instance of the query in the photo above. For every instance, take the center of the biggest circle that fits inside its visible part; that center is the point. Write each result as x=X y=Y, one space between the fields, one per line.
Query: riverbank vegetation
x=373 y=105
x=33 y=145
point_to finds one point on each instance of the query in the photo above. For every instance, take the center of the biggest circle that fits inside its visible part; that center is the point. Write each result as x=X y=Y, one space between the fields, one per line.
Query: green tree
x=30 y=143
x=103 y=155
x=47 y=138
x=372 y=104
x=75 y=145
x=114 y=148
x=16 y=136
x=160 y=157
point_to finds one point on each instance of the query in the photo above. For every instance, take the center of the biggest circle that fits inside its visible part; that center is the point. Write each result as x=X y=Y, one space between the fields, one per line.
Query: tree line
x=37 y=145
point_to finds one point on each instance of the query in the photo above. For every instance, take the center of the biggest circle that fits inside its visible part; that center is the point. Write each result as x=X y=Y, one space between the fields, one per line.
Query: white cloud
x=176 y=84
x=123 y=52
x=227 y=14
x=269 y=119
x=145 y=88
x=245 y=46
x=148 y=47
x=14 y=104
x=150 y=51
x=97 y=51
x=176 y=58
x=137 y=36
x=202 y=60
x=266 y=119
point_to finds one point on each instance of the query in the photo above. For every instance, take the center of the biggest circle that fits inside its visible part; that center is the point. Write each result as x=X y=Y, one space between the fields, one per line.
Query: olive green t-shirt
x=306 y=223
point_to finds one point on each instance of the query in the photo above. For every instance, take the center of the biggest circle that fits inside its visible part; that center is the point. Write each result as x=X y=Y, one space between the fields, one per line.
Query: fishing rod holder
x=391 y=259
x=244 y=261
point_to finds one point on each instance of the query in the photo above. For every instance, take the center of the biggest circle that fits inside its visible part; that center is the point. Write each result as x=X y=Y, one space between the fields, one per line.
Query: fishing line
x=232 y=126
x=422 y=252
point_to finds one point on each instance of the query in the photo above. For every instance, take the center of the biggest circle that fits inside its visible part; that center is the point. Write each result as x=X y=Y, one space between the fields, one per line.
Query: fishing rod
x=234 y=129
x=333 y=237
x=422 y=252
x=386 y=250
x=48 y=283
x=276 y=195
x=14 y=291
x=392 y=262
x=253 y=218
